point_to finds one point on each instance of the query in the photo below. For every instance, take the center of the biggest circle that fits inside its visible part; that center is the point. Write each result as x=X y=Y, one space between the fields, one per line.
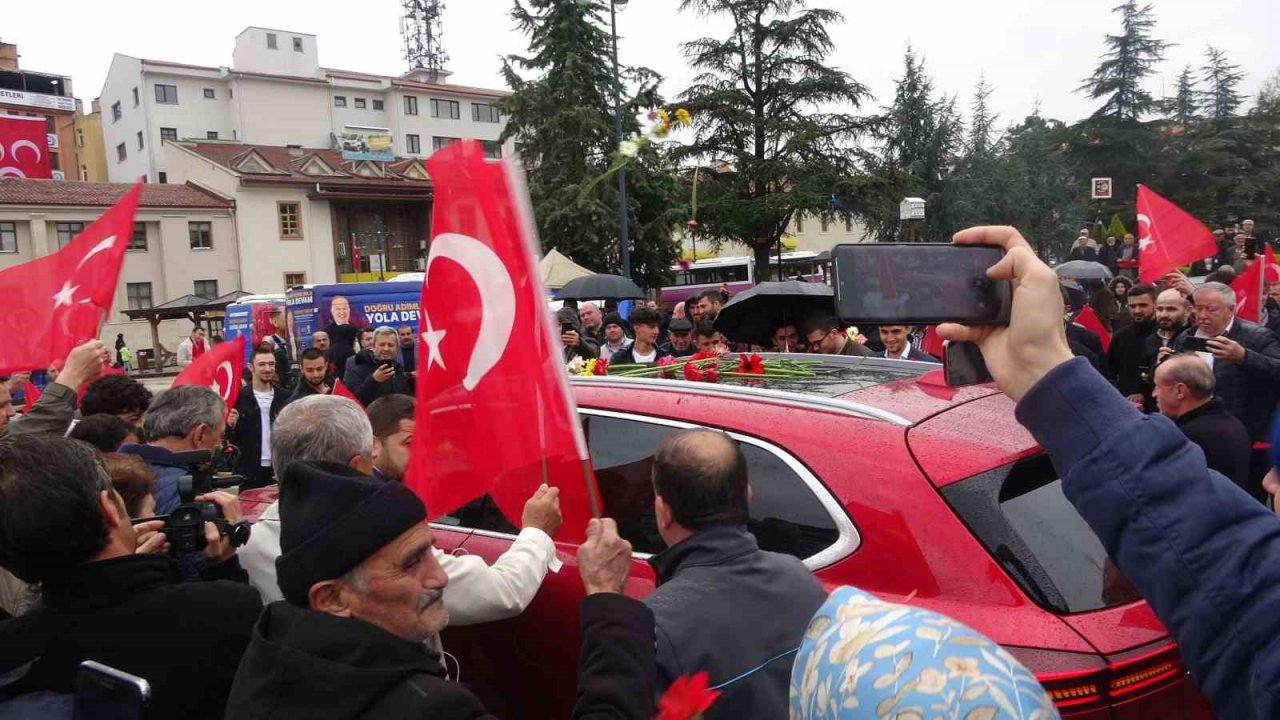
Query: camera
x=185 y=525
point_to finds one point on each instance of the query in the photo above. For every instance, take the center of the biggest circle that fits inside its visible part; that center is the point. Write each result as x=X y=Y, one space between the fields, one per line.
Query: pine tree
x=772 y=120
x=982 y=126
x=1116 y=229
x=1049 y=208
x=982 y=189
x=562 y=123
x=1221 y=100
x=1184 y=107
x=1132 y=57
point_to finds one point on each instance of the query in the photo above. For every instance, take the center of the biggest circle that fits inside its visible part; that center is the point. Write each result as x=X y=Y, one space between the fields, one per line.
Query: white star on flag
x=432 y=338
x=1145 y=243
x=65 y=295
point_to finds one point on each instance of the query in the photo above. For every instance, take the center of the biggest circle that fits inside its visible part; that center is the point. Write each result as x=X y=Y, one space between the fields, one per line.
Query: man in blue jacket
x=1205 y=555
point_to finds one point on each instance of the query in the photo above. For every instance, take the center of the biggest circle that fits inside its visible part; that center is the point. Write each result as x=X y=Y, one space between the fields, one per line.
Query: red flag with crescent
x=343 y=391
x=24 y=148
x=58 y=301
x=30 y=394
x=1168 y=236
x=220 y=369
x=495 y=414
x=1251 y=289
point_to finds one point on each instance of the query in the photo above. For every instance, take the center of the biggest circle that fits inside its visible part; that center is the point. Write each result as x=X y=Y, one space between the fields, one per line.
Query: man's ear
x=112 y=514
x=327 y=596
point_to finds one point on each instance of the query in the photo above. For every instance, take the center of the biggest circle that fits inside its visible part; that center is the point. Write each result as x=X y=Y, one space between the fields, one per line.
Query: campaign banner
x=364 y=143
x=256 y=322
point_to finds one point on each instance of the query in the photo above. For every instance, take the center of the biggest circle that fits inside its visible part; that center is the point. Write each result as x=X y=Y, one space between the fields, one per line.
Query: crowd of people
x=332 y=604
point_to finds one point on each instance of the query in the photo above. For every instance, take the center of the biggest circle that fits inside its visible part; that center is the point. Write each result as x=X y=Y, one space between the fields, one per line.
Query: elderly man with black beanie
x=363 y=591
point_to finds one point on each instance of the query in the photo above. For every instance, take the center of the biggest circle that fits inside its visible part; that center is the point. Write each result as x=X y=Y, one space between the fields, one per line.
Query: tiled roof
x=20 y=191
x=287 y=163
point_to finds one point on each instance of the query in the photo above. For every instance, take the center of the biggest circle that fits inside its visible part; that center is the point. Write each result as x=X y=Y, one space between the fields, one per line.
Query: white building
x=276 y=94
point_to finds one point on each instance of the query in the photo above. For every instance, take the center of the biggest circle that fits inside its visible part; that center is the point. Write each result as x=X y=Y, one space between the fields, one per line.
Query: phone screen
x=566 y=328
x=1198 y=344
x=963 y=365
x=919 y=283
x=105 y=693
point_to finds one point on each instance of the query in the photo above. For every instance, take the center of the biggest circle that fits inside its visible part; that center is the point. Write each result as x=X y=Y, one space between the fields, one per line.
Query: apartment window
x=207 y=288
x=84 y=172
x=139 y=139
x=135 y=97
x=492 y=149
x=339 y=101
x=290 y=219
x=201 y=235
x=410 y=105
x=138 y=240
x=79 y=138
x=67 y=231
x=484 y=112
x=167 y=94
x=116 y=112
x=413 y=144
x=361 y=103
x=377 y=105
x=848 y=224
x=8 y=237
x=209 y=93
x=139 y=295
x=297 y=44
x=293 y=279
x=211 y=134
x=162 y=177
x=438 y=143
x=446 y=109
x=799 y=224
x=826 y=223
x=121 y=153
x=168 y=134
x=271 y=41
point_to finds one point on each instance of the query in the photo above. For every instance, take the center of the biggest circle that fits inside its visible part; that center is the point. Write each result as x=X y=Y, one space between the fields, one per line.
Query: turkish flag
x=1251 y=288
x=24 y=148
x=342 y=391
x=60 y=300
x=30 y=394
x=931 y=343
x=1089 y=320
x=220 y=369
x=495 y=414
x=1168 y=236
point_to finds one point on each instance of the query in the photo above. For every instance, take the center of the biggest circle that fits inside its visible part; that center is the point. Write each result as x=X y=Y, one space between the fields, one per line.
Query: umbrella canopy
x=752 y=315
x=556 y=269
x=1083 y=270
x=600 y=287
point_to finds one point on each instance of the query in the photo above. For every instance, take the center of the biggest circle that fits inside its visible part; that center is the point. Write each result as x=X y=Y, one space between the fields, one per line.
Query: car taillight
x=1076 y=681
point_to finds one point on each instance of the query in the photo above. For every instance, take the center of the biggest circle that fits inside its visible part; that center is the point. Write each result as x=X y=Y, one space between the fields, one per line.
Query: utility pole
x=624 y=249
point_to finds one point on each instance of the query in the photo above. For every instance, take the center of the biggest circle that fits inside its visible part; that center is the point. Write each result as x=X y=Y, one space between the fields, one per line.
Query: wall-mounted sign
x=37 y=100
x=1101 y=189
x=364 y=143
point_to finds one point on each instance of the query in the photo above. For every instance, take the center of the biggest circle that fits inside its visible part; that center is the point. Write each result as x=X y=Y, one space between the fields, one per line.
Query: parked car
x=876 y=475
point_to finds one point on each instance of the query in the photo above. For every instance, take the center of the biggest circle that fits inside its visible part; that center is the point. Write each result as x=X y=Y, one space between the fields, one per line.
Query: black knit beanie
x=332 y=517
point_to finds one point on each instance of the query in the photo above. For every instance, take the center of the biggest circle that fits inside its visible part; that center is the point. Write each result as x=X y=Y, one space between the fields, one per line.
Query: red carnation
x=704 y=355
x=693 y=224
x=687 y=698
x=751 y=364
x=601 y=367
x=691 y=372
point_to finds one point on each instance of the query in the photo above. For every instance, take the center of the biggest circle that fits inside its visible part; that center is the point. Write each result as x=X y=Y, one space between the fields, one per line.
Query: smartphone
x=566 y=328
x=1251 y=248
x=105 y=693
x=963 y=365
x=1198 y=344
x=919 y=284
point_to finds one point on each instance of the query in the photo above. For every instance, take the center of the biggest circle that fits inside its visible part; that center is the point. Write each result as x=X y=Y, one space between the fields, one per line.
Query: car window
x=1021 y=516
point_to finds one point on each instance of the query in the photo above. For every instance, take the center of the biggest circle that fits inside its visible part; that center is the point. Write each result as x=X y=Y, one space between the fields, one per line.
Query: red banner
x=1251 y=286
x=24 y=148
x=342 y=391
x=1168 y=237
x=1089 y=320
x=495 y=414
x=220 y=368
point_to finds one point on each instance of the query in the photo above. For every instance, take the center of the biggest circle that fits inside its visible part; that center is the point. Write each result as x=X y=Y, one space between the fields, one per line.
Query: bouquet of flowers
x=655 y=125
x=711 y=367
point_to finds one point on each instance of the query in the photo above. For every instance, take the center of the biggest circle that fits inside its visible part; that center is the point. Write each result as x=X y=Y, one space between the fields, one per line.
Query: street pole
x=380 y=230
x=624 y=249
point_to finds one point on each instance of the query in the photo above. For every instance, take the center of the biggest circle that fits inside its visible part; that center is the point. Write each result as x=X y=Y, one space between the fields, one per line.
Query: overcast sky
x=1030 y=50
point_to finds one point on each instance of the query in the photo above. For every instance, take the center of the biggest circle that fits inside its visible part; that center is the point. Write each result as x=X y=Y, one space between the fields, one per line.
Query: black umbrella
x=752 y=315
x=1083 y=270
x=599 y=287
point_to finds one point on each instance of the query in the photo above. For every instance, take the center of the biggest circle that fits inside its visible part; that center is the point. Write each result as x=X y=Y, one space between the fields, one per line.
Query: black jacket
x=1127 y=355
x=342 y=342
x=1248 y=389
x=1086 y=343
x=727 y=607
x=1224 y=440
x=914 y=353
x=247 y=434
x=185 y=639
x=1108 y=255
x=304 y=389
x=627 y=355
x=360 y=379
x=313 y=666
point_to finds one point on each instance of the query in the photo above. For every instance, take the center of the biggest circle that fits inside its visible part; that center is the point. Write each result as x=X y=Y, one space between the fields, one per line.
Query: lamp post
x=624 y=249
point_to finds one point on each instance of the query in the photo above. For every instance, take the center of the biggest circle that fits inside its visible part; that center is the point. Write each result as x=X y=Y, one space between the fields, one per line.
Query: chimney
x=8 y=56
x=294 y=150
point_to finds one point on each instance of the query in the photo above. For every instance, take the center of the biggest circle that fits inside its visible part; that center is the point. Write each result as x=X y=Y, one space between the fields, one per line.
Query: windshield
x=1021 y=516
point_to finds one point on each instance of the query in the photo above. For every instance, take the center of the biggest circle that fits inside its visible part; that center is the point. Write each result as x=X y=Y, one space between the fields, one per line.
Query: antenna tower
x=423 y=29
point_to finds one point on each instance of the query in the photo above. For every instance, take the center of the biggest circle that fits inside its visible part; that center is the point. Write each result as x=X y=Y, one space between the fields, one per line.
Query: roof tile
x=22 y=191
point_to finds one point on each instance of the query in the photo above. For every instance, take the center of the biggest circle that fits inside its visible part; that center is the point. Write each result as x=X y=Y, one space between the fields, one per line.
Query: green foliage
x=1116 y=229
x=1221 y=100
x=1131 y=58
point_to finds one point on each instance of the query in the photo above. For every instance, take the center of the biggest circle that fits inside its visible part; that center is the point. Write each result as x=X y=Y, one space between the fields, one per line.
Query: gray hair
x=178 y=411
x=384 y=330
x=320 y=427
x=1194 y=373
x=1228 y=295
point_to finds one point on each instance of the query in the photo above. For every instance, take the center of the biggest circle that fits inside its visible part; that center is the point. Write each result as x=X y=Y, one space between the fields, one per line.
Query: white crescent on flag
x=1144 y=232
x=19 y=144
x=497 y=302
x=104 y=244
x=218 y=386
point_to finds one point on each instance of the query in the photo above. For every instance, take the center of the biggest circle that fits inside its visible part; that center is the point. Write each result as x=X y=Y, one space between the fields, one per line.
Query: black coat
x=185 y=639
x=304 y=389
x=627 y=355
x=1127 y=355
x=1108 y=255
x=1086 y=343
x=342 y=342
x=247 y=434
x=725 y=606
x=1248 y=389
x=306 y=664
x=359 y=379
x=1223 y=438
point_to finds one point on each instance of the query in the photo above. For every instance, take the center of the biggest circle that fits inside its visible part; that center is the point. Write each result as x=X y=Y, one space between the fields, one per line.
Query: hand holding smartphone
x=1197 y=344
x=919 y=284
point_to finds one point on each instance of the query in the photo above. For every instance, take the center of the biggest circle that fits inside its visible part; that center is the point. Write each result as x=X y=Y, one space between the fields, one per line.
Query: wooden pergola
x=201 y=311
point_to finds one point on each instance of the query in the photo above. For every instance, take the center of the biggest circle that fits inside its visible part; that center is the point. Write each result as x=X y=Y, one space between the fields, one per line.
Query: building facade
x=46 y=96
x=184 y=242
x=89 y=154
x=812 y=233
x=277 y=94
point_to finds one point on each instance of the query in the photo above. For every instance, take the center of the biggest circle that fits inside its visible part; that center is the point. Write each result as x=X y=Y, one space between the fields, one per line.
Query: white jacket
x=477 y=592
x=184 y=353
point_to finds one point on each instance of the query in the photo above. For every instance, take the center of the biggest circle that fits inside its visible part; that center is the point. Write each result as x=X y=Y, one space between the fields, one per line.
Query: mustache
x=429 y=598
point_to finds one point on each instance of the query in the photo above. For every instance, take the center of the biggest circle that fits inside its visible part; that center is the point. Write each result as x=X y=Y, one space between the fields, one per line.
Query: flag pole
x=591 y=487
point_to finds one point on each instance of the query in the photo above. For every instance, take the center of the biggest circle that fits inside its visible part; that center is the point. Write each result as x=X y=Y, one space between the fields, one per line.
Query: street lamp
x=624 y=250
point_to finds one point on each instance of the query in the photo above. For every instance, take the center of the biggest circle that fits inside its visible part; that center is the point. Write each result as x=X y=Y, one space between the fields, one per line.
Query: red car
x=879 y=476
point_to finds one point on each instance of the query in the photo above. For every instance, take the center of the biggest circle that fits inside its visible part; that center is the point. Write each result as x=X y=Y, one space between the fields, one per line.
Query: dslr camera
x=185 y=525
